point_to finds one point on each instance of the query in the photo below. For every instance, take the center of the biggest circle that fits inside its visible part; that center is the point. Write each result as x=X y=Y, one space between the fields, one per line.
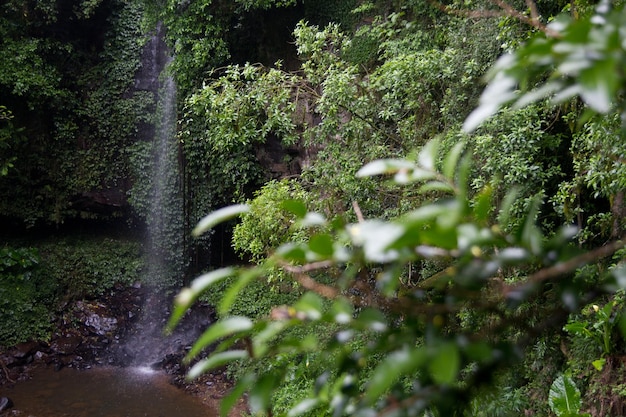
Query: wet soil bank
x=114 y=332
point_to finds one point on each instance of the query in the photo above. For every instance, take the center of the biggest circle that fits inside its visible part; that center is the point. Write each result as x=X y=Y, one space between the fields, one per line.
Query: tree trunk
x=618 y=209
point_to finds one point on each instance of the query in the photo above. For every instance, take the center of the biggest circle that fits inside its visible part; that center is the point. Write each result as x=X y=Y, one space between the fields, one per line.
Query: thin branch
x=563 y=268
x=6 y=372
x=301 y=276
x=357 y=211
x=506 y=10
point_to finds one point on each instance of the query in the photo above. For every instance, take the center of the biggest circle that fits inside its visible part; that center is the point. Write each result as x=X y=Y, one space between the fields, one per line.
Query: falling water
x=164 y=213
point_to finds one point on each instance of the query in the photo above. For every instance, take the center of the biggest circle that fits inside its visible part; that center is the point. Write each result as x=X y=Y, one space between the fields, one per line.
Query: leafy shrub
x=267 y=225
x=26 y=297
x=89 y=268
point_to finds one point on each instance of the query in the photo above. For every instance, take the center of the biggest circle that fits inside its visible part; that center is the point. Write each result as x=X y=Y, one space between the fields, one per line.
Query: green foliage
x=514 y=150
x=27 y=297
x=8 y=134
x=87 y=268
x=390 y=323
x=267 y=225
x=73 y=111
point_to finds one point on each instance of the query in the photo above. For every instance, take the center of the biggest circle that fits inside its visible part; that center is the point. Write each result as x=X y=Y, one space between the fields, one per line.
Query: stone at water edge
x=5 y=403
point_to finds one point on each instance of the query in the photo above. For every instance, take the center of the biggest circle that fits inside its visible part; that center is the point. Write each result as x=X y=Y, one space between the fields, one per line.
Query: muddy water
x=102 y=392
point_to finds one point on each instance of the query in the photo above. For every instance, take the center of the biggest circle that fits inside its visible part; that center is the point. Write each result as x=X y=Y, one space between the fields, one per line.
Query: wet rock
x=96 y=317
x=5 y=403
x=66 y=345
x=101 y=325
x=24 y=350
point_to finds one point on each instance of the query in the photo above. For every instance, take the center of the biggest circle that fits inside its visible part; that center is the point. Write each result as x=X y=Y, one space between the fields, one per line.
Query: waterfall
x=165 y=216
x=159 y=194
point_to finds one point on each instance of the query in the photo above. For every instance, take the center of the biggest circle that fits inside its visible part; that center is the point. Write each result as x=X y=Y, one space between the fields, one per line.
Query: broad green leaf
x=261 y=338
x=321 y=244
x=436 y=186
x=506 y=206
x=341 y=312
x=546 y=90
x=417 y=175
x=204 y=281
x=218 y=330
x=451 y=161
x=214 y=361
x=598 y=85
x=599 y=363
x=579 y=328
x=372 y=320
x=483 y=204
x=564 y=397
x=445 y=364
x=292 y=251
x=395 y=365
x=529 y=232
x=296 y=207
x=497 y=93
x=312 y=219
x=376 y=237
x=218 y=217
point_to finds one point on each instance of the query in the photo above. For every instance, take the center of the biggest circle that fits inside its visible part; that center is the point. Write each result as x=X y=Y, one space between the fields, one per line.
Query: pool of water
x=102 y=392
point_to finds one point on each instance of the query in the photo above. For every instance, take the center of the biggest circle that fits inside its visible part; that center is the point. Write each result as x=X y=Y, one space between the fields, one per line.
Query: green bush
x=90 y=268
x=26 y=297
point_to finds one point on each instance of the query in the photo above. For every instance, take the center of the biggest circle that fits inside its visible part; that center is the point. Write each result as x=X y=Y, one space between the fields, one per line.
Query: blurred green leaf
x=218 y=330
x=260 y=394
x=242 y=386
x=444 y=365
x=229 y=297
x=215 y=361
x=321 y=244
x=311 y=305
x=218 y=217
x=296 y=207
x=391 y=368
x=384 y=166
x=305 y=406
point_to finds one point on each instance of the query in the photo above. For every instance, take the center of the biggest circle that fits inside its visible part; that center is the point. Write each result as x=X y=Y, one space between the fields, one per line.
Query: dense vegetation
x=415 y=244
